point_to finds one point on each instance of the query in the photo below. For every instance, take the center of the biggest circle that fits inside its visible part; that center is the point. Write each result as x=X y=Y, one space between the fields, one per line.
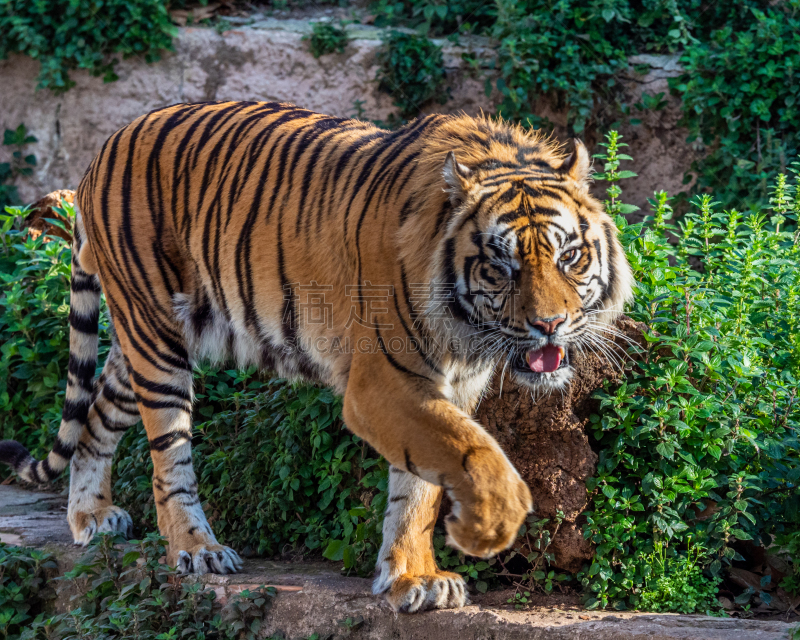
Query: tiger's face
x=536 y=263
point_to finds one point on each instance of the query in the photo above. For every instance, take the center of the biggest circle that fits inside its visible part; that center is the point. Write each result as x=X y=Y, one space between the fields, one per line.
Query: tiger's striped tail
x=84 y=316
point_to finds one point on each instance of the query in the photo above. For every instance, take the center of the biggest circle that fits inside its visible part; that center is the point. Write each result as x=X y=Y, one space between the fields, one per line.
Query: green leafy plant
x=123 y=590
x=741 y=98
x=612 y=175
x=23 y=578
x=437 y=17
x=326 y=38
x=519 y=599
x=20 y=164
x=411 y=70
x=698 y=444
x=83 y=34
x=740 y=57
x=533 y=545
x=676 y=582
x=34 y=332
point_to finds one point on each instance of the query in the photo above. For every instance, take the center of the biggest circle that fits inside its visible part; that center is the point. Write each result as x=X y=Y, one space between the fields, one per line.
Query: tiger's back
x=215 y=211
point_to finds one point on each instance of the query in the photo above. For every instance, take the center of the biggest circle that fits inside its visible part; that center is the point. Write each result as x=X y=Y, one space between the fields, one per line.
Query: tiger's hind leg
x=161 y=379
x=406 y=571
x=112 y=412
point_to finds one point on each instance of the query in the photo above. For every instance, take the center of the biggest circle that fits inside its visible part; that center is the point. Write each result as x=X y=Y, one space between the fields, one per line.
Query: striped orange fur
x=398 y=267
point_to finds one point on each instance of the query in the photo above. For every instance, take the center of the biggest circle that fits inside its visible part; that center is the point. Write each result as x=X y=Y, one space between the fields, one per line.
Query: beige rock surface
x=268 y=60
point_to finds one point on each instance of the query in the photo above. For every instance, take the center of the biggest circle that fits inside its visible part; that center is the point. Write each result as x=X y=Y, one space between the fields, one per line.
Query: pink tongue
x=545 y=360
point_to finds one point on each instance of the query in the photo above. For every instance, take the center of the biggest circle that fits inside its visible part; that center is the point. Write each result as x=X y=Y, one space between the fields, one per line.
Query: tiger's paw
x=108 y=519
x=488 y=508
x=409 y=593
x=208 y=558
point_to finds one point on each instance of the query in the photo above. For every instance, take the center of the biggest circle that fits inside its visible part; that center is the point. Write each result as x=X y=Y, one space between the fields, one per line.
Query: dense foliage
x=739 y=92
x=123 y=590
x=698 y=447
x=83 y=34
x=741 y=96
x=412 y=71
x=567 y=48
x=34 y=333
x=23 y=579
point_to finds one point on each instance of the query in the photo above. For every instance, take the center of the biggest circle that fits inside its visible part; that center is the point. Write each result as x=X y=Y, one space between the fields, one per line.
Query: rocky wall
x=269 y=60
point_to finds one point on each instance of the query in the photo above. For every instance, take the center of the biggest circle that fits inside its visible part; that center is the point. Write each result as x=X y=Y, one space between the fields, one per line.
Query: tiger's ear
x=458 y=178
x=577 y=165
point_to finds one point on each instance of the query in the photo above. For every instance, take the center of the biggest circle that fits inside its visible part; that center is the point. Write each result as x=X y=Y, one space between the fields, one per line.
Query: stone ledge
x=313 y=597
x=37 y=519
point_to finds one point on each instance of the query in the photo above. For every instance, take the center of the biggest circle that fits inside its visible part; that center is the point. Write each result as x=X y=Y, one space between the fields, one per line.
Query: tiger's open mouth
x=547 y=359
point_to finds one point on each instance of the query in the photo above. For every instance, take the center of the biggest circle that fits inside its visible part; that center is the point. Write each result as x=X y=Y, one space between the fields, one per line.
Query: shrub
x=676 y=582
x=740 y=97
x=567 y=49
x=698 y=444
x=23 y=576
x=83 y=34
x=533 y=545
x=411 y=71
x=740 y=58
x=437 y=18
x=326 y=38
x=34 y=332
x=125 y=591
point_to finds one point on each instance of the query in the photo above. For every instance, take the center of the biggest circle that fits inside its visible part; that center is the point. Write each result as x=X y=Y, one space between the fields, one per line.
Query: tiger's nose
x=548 y=327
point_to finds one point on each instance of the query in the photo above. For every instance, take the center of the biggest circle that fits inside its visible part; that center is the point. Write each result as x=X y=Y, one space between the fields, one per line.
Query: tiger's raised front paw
x=489 y=507
x=409 y=593
x=109 y=519
x=208 y=558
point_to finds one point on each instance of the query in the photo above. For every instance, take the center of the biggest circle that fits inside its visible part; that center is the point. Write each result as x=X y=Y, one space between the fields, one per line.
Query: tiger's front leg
x=406 y=571
x=435 y=445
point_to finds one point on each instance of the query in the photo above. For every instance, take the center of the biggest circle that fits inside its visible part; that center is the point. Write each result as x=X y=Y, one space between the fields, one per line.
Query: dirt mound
x=547 y=443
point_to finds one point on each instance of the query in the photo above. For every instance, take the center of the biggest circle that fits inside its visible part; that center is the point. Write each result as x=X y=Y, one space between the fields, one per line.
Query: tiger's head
x=536 y=268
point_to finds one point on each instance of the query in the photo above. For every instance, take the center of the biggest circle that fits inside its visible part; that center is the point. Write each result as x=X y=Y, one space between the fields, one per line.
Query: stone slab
x=37 y=519
x=314 y=597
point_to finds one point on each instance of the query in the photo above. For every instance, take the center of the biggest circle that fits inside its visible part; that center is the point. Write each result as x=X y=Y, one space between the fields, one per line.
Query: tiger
x=399 y=267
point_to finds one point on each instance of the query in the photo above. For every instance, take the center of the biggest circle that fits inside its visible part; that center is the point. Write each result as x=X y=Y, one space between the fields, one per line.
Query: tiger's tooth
x=562 y=352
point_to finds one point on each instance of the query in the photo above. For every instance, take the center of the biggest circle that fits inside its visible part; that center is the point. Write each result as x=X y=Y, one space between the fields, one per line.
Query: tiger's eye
x=567 y=255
